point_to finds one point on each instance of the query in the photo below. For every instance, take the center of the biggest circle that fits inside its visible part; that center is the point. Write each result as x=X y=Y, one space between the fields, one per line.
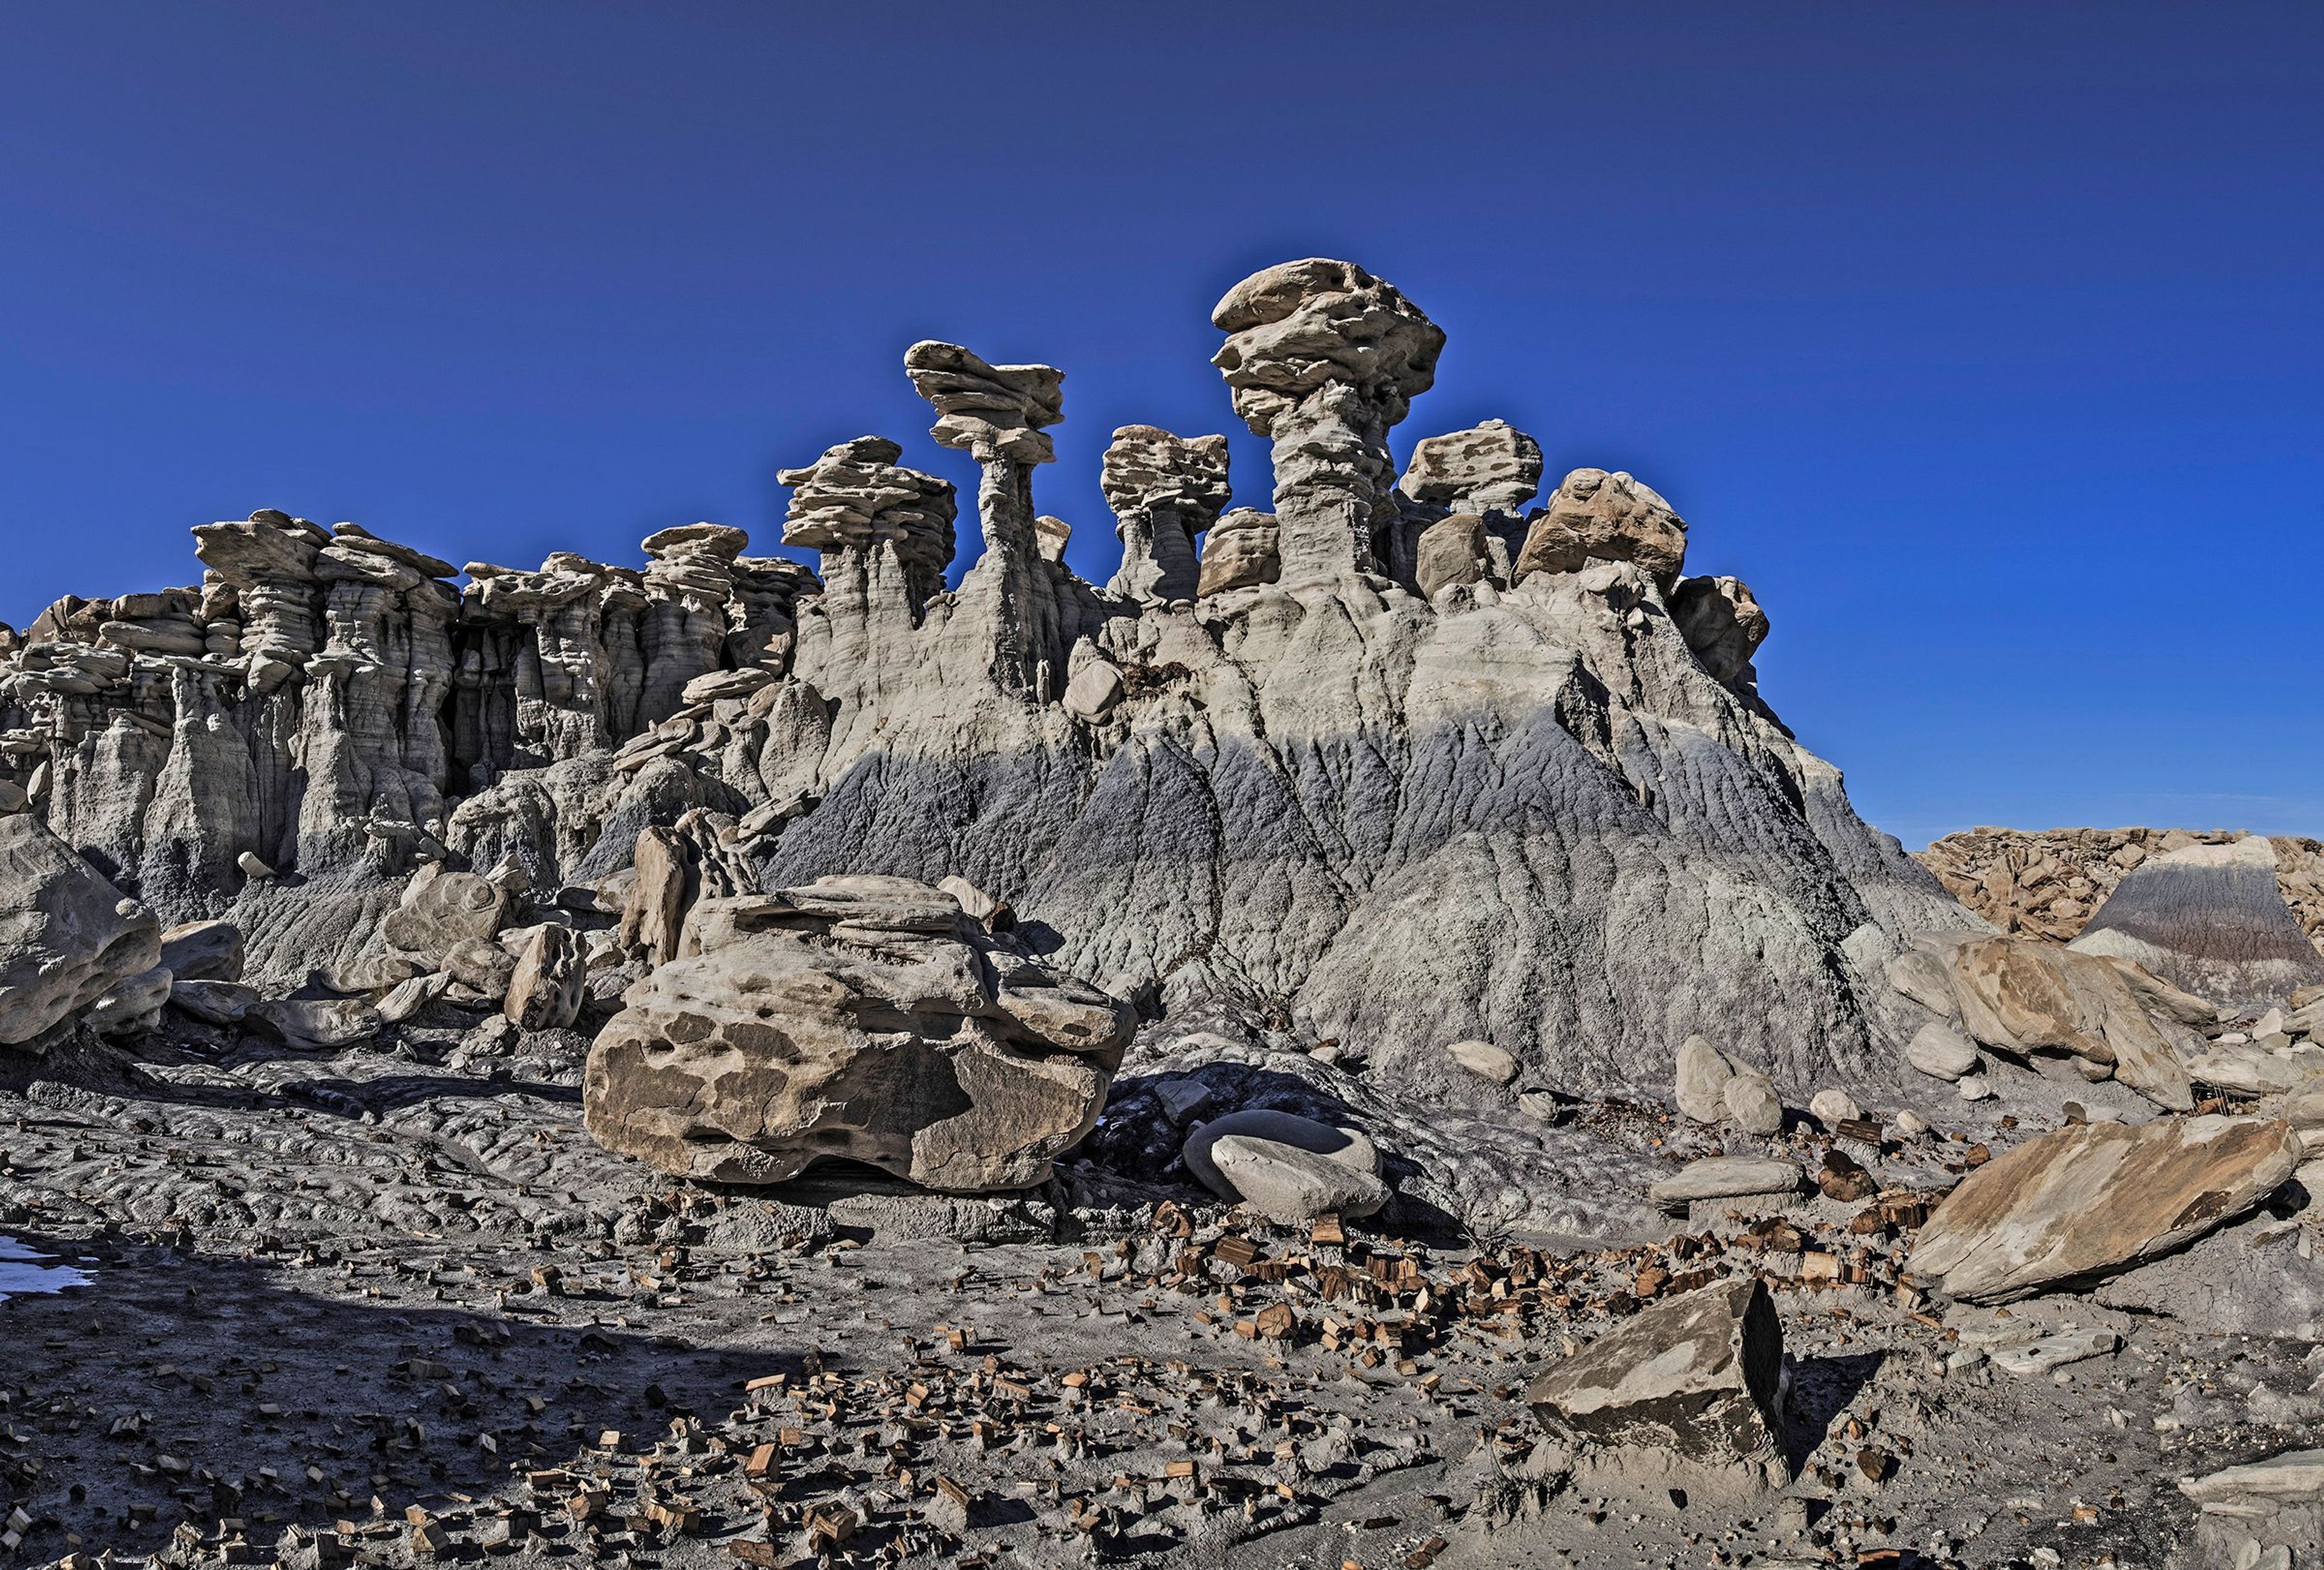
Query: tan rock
x=2021 y=994
x=545 y=988
x=2090 y=1200
x=869 y=1020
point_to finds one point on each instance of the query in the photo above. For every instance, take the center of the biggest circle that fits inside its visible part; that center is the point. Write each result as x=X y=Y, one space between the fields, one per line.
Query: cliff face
x=1403 y=762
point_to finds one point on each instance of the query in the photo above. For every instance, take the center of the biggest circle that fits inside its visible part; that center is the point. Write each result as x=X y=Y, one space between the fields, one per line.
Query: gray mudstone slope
x=1524 y=809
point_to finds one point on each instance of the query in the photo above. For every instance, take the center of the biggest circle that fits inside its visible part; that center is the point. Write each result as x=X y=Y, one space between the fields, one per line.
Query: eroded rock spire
x=1324 y=360
x=1164 y=490
x=996 y=414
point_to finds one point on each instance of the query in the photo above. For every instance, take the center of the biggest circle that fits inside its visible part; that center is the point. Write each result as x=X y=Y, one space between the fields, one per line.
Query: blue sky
x=1982 y=340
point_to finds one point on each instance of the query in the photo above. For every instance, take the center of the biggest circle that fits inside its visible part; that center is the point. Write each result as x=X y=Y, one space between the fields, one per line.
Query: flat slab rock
x=2296 y=1476
x=1725 y=1177
x=2041 y=1355
x=2088 y=1201
x=1693 y=1381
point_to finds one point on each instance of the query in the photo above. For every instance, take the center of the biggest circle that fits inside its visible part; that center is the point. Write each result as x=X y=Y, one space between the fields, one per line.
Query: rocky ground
x=394 y=1305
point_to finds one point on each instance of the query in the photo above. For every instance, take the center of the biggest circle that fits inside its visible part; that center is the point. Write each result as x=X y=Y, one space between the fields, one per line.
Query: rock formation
x=2209 y=919
x=867 y=1017
x=1164 y=493
x=1324 y=360
x=1540 y=807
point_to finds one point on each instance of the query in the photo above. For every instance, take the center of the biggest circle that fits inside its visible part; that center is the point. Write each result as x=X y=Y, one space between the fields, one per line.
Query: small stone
x=252 y=867
x=2055 y=1351
x=1752 y=1102
x=1974 y=1087
x=1833 y=1107
x=1484 y=1060
x=1940 y=1050
x=1700 y=1082
x=1184 y=1100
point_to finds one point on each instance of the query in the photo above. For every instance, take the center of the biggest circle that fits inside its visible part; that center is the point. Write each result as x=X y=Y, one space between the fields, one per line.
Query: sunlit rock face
x=1418 y=756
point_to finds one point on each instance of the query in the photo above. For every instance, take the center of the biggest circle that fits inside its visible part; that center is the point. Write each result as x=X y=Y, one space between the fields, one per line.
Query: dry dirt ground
x=394 y=1308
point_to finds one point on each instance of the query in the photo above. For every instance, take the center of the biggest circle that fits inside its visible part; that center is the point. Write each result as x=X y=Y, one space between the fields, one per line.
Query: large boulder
x=859 y=1016
x=2088 y=1201
x=67 y=935
x=2022 y=994
x=1685 y=1392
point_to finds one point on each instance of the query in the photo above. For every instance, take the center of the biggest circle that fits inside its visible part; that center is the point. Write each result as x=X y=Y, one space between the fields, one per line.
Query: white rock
x=2055 y=1351
x=1833 y=1107
x=1974 y=1087
x=1286 y=1184
x=1911 y=1125
x=2294 y=1476
x=1484 y=1060
x=1752 y=1102
x=1940 y=1050
x=1346 y=1146
x=252 y=867
x=1095 y=692
x=1701 y=1080
x=1725 y=1177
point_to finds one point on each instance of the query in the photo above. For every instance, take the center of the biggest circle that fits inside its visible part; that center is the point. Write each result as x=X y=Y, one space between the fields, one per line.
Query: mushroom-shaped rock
x=1165 y=490
x=1491 y=468
x=1324 y=359
x=856 y=498
x=859 y=1016
x=67 y=938
x=991 y=411
x=1606 y=517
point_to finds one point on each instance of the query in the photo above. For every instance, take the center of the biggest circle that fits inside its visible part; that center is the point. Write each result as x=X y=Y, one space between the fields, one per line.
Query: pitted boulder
x=858 y=1017
x=442 y=909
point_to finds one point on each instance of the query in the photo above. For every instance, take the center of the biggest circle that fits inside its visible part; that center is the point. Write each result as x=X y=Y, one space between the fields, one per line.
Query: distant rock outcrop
x=2051 y=882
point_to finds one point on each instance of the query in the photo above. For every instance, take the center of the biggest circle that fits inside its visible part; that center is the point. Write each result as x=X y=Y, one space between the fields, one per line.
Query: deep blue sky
x=1982 y=340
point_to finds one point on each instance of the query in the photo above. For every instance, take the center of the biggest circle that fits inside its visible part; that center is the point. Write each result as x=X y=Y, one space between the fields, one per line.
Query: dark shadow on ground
x=1822 y=1388
x=223 y=1366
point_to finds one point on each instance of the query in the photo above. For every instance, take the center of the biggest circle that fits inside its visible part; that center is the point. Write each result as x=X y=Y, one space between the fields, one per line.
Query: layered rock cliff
x=1405 y=763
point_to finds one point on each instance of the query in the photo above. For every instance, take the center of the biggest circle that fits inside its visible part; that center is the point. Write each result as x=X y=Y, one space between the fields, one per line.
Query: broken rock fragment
x=1686 y=1391
x=67 y=935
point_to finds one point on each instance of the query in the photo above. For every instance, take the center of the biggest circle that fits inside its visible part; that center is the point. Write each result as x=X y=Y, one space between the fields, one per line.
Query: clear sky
x=1982 y=340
